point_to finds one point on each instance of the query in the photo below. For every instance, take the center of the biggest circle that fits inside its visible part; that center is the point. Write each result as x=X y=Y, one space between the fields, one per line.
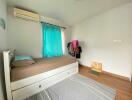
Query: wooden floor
x=123 y=87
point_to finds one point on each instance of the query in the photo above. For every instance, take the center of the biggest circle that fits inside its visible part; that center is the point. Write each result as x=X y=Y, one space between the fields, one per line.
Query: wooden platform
x=123 y=87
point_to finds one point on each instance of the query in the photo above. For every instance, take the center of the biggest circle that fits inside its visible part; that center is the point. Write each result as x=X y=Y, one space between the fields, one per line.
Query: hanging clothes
x=74 y=49
x=75 y=43
x=78 y=54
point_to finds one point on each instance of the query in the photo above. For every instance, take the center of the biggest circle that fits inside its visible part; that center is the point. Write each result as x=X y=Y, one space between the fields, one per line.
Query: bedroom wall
x=25 y=36
x=106 y=38
x=3 y=46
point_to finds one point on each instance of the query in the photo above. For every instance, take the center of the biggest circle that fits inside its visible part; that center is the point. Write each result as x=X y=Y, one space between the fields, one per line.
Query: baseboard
x=110 y=74
x=115 y=75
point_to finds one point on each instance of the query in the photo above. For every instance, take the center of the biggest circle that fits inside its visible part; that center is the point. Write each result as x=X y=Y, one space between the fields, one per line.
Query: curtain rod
x=54 y=24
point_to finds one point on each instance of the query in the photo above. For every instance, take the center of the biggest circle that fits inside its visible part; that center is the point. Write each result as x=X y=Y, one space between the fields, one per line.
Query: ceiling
x=68 y=11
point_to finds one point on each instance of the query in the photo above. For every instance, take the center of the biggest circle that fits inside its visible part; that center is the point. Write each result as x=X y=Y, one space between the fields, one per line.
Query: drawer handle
x=40 y=86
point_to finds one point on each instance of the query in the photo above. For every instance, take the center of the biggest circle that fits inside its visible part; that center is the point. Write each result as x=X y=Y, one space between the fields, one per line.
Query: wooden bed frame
x=24 y=88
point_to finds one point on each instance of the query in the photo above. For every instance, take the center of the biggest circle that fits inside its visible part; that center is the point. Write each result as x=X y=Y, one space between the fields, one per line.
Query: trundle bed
x=24 y=82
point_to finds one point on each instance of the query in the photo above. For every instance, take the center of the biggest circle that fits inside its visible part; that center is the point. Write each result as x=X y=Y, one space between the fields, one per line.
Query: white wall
x=26 y=36
x=23 y=36
x=2 y=32
x=2 y=47
x=107 y=38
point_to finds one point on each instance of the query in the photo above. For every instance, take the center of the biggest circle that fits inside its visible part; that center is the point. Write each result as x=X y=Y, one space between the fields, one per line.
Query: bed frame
x=24 y=88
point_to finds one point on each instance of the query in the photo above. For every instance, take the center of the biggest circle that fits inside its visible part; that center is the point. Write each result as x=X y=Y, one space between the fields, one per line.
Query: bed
x=26 y=81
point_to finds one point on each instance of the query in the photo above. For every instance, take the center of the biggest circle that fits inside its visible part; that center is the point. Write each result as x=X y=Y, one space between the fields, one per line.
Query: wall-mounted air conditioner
x=26 y=14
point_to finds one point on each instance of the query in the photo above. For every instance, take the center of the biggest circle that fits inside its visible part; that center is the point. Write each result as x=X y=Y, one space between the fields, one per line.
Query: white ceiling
x=68 y=11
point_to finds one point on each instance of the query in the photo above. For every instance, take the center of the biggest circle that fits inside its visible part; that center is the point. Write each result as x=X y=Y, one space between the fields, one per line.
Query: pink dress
x=75 y=43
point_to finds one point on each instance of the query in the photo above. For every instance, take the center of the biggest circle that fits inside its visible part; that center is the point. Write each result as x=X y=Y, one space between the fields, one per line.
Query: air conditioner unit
x=26 y=15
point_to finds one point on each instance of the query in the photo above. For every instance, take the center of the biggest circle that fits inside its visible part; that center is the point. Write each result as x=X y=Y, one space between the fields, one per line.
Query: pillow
x=20 y=61
x=23 y=58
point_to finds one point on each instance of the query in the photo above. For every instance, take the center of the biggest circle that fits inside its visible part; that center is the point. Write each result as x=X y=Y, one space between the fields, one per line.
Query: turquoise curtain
x=52 y=40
